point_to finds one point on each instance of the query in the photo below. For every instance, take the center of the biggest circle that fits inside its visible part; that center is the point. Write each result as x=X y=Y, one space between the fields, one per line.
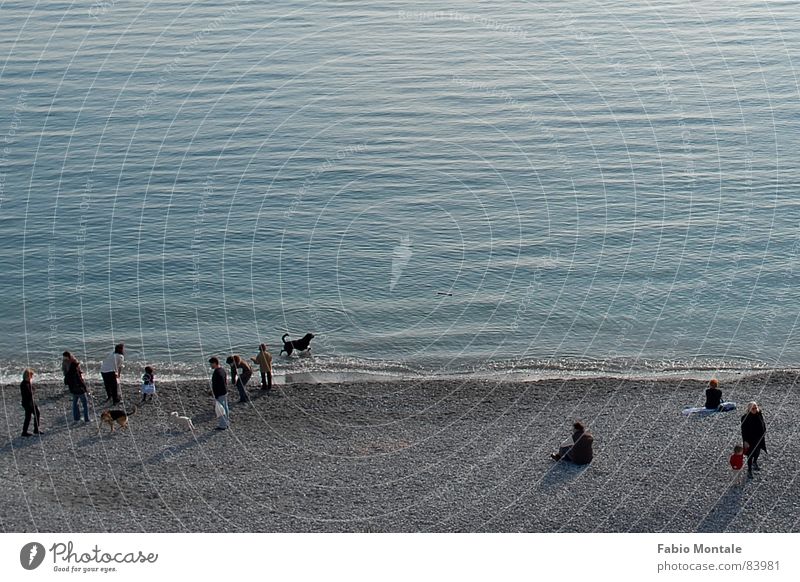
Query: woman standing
x=73 y=378
x=65 y=362
x=240 y=375
x=29 y=402
x=110 y=370
x=754 y=430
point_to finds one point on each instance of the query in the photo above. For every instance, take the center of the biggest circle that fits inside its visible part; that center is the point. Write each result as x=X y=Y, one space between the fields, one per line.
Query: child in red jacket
x=737 y=460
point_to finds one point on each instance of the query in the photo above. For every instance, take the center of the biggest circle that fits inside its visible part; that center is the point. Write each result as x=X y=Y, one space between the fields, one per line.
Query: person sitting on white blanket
x=713 y=395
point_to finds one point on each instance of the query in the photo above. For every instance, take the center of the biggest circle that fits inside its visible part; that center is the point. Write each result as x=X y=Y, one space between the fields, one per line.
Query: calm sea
x=504 y=188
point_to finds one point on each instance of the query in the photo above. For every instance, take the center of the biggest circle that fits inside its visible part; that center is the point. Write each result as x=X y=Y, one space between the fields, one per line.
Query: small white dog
x=182 y=421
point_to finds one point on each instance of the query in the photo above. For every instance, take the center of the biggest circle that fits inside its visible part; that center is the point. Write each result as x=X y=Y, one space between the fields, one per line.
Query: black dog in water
x=300 y=345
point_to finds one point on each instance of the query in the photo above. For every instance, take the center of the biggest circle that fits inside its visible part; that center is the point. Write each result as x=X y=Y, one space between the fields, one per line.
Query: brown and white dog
x=111 y=416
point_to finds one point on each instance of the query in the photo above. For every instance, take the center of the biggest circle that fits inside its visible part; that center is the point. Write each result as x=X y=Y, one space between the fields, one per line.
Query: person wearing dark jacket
x=219 y=387
x=28 y=393
x=754 y=430
x=73 y=378
x=713 y=395
x=578 y=448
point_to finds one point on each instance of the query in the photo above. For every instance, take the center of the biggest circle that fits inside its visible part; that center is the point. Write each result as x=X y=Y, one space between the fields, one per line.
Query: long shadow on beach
x=175 y=450
x=18 y=442
x=50 y=427
x=724 y=511
x=560 y=474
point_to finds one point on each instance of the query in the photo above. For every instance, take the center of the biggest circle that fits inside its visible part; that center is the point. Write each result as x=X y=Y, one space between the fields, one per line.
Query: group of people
x=241 y=372
x=111 y=372
x=578 y=447
x=753 y=429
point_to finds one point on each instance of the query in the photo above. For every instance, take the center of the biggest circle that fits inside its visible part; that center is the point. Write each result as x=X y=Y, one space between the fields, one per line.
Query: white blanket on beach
x=724 y=407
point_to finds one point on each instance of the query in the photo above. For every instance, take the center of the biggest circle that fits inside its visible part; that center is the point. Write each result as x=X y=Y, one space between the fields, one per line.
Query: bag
x=219 y=410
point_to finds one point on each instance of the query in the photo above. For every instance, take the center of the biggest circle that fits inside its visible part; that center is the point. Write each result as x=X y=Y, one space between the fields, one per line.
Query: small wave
x=323 y=369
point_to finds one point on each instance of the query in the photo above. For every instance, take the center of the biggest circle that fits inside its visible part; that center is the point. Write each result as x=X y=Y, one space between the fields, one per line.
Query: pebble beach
x=405 y=456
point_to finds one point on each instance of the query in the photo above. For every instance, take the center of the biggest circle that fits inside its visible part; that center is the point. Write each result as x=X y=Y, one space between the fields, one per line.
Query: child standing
x=737 y=460
x=148 y=384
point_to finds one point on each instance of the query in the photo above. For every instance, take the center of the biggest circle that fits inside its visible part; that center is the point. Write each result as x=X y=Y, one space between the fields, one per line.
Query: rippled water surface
x=542 y=188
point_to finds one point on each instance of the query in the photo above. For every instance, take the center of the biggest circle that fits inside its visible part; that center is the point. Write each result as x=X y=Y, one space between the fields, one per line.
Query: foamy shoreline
x=452 y=455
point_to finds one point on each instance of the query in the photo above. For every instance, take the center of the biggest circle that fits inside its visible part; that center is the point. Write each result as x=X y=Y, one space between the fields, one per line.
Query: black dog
x=300 y=345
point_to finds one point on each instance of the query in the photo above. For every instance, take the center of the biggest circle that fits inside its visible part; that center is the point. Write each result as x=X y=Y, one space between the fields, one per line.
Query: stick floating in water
x=443 y=293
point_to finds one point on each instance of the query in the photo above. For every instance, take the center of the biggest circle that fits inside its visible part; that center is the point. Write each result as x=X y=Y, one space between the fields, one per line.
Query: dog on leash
x=301 y=345
x=182 y=421
x=109 y=417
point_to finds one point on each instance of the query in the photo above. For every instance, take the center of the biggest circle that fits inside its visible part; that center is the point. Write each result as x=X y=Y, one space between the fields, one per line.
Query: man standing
x=110 y=370
x=264 y=361
x=219 y=386
x=28 y=393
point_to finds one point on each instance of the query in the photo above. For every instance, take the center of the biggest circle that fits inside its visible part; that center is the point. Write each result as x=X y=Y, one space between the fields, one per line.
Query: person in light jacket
x=264 y=361
x=111 y=370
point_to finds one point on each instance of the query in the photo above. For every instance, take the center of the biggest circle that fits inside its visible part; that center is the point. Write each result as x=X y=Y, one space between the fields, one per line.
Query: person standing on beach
x=754 y=430
x=28 y=393
x=713 y=395
x=577 y=448
x=219 y=387
x=264 y=361
x=111 y=370
x=73 y=377
x=240 y=378
x=148 y=384
x=66 y=360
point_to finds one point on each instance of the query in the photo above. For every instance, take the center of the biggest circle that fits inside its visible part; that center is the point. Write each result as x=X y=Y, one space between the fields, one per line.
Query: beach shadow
x=93 y=436
x=257 y=394
x=724 y=511
x=19 y=442
x=56 y=425
x=561 y=473
x=169 y=453
x=203 y=417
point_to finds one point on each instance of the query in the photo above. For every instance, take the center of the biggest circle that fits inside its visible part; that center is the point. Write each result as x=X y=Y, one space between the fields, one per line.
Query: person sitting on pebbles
x=577 y=448
x=713 y=395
